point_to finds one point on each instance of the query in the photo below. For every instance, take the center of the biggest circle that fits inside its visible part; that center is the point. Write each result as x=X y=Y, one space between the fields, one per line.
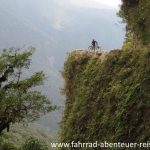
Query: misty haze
x=54 y=28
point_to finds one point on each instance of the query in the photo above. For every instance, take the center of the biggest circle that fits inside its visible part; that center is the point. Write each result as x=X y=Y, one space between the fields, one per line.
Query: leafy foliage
x=8 y=146
x=136 y=14
x=20 y=133
x=129 y=42
x=31 y=143
x=34 y=144
x=107 y=99
x=19 y=100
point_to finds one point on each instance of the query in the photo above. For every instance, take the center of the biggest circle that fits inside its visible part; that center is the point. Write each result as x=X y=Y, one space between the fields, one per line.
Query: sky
x=55 y=27
x=61 y=14
x=92 y=3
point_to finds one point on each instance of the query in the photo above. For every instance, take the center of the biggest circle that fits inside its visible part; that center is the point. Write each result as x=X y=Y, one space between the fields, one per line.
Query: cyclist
x=94 y=44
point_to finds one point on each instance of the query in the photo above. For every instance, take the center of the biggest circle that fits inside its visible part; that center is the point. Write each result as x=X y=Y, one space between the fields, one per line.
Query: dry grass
x=88 y=53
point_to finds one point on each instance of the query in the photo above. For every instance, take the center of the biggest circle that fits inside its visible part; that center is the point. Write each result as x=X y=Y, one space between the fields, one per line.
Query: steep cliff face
x=107 y=96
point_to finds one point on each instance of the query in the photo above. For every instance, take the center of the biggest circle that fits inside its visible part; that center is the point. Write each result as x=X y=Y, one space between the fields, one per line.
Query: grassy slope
x=108 y=98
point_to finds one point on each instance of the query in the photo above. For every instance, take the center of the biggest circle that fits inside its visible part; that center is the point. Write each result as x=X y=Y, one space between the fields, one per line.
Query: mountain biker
x=94 y=44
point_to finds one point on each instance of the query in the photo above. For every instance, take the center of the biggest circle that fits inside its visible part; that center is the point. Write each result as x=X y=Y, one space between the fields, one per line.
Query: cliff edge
x=107 y=96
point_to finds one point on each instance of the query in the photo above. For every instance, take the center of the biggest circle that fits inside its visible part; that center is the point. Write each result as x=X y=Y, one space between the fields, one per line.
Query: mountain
x=107 y=96
x=54 y=28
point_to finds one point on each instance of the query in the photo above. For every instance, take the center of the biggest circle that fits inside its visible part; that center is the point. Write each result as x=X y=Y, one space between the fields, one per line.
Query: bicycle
x=97 y=47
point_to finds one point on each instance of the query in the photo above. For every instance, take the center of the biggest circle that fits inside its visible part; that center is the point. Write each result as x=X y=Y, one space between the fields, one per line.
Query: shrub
x=34 y=144
x=8 y=146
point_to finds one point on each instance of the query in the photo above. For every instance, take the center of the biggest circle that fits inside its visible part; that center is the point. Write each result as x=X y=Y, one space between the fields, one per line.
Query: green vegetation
x=19 y=100
x=108 y=95
x=34 y=144
x=107 y=98
x=8 y=146
x=20 y=133
x=31 y=143
x=136 y=14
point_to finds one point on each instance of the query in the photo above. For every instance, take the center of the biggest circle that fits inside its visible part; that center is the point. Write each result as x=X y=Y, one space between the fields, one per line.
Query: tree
x=20 y=101
x=136 y=14
x=34 y=144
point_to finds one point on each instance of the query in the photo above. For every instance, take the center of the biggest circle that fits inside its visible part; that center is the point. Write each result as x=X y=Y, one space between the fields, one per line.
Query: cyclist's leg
x=94 y=48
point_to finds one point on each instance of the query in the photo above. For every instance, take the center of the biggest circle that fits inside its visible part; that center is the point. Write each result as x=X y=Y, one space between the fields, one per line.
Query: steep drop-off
x=107 y=96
